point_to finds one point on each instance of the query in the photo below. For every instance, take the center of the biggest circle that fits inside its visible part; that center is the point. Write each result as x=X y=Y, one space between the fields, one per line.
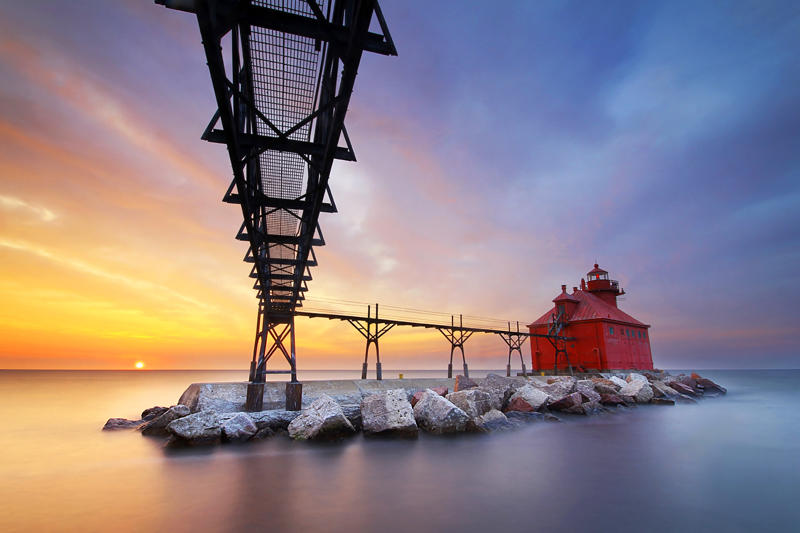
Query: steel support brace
x=514 y=340
x=456 y=336
x=273 y=334
x=370 y=328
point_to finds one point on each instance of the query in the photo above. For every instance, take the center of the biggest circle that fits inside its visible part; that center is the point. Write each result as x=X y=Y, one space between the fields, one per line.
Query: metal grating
x=285 y=71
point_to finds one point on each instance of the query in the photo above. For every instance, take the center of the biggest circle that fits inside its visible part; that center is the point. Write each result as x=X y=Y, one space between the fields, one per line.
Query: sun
x=139 y=365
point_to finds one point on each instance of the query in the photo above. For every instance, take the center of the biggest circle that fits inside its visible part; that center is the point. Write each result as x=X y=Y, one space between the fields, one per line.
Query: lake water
x=730 y=464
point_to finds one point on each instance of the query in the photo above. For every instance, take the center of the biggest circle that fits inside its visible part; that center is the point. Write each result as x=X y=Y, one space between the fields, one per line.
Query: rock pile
x=494 y=403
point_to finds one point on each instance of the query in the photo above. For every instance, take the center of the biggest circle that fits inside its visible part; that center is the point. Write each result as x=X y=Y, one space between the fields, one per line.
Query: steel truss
x=373 y=328
x=457 y=336
x=372 y=331
x=281 y=106
x=514 y=340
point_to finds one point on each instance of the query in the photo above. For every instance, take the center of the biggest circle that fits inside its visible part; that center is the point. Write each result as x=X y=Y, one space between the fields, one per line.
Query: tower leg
x=378 y=371
x=364 y=370
x=508 y=370
x=294 y=396
x=449 y=370
x=255 y=397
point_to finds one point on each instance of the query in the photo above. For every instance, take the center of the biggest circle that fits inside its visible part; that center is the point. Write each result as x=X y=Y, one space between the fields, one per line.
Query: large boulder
x=605 y=382
x=353 y=414
x=492 y=420
x=587 y=388
x=618 y=381
x=439 y=415
x=633 y=376
x=274 y=419
x=238 y=428
x=501 y=388
x=528 y=398
x=200 y=428
x=158 y=425
x=474 y=402
x=417 y=396
x=711 y=387
x=604 y=388
x=638 y=389
x=463 y=383
x=571 y=403
x=611 y=399
x=681 y=388
x=121 y=423
x=558 y=388
x=323 y=419
x=662 y=390
x=153 y=412
x=388 y=413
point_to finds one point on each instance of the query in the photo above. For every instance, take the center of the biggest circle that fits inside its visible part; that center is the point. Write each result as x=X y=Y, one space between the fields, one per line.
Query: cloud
x=41 y=212
x=157 y=291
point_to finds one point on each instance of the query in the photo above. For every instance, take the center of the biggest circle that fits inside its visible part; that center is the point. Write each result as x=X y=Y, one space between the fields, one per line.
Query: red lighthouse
x=604 y=337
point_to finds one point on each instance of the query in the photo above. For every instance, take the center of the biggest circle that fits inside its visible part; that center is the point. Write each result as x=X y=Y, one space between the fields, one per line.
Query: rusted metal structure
x=282 y=98
x=588 y=331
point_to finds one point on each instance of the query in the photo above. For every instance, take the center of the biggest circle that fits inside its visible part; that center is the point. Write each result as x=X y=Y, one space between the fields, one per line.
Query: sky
x=500 y=155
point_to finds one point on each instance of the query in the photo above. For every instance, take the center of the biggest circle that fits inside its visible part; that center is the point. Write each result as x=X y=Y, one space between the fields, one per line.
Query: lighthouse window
x=610 y=330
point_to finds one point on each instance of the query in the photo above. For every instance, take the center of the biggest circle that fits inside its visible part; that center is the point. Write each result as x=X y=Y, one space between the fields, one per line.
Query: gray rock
x=639 y=389
x=238 y=428
x=158 y=426
x=501 y=388
x=353 y=414
x=474 y=402
x=439 y=415
x=153 y=412
x=662 y=390
x=323 y=419
x=531 y=396
x=121 y=423
x=633 y=376
x=200 y=428
x=388 y=413
x=492 y=420
x=273 y=419
x=263 y=433
x=618 y=381
x=603 y=388
x=558 y=388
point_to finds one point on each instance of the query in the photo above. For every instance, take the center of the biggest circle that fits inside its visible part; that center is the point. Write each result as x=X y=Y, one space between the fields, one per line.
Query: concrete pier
x=231 y=396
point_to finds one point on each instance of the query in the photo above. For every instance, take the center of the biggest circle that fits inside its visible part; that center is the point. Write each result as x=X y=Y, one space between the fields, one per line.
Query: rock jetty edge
x=212 y=413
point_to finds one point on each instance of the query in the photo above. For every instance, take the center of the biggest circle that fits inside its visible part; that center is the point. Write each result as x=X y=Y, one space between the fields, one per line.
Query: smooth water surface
x=729 y=464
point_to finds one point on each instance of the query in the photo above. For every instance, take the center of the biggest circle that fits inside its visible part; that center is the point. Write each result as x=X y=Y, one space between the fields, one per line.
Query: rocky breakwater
x=495 y=403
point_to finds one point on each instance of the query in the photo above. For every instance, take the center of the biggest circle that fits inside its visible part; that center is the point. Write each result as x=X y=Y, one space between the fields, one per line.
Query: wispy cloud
x=149 y=288
x=12 y=203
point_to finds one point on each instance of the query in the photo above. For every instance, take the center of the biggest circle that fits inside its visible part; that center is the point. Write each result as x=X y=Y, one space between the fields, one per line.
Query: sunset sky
x=501 y=154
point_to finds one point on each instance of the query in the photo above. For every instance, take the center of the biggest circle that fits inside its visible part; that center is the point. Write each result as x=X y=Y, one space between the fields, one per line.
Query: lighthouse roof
x=591 y=307
x=597 y=270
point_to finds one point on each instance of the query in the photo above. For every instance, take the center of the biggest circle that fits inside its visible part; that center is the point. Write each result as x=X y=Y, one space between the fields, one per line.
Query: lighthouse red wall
x=598 y=345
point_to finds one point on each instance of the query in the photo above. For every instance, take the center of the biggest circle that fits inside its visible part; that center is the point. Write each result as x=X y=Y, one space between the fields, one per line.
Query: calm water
x=728 y=464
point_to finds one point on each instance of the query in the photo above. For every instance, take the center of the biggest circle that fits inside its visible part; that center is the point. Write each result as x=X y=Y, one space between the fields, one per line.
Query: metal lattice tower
x=281 y=104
